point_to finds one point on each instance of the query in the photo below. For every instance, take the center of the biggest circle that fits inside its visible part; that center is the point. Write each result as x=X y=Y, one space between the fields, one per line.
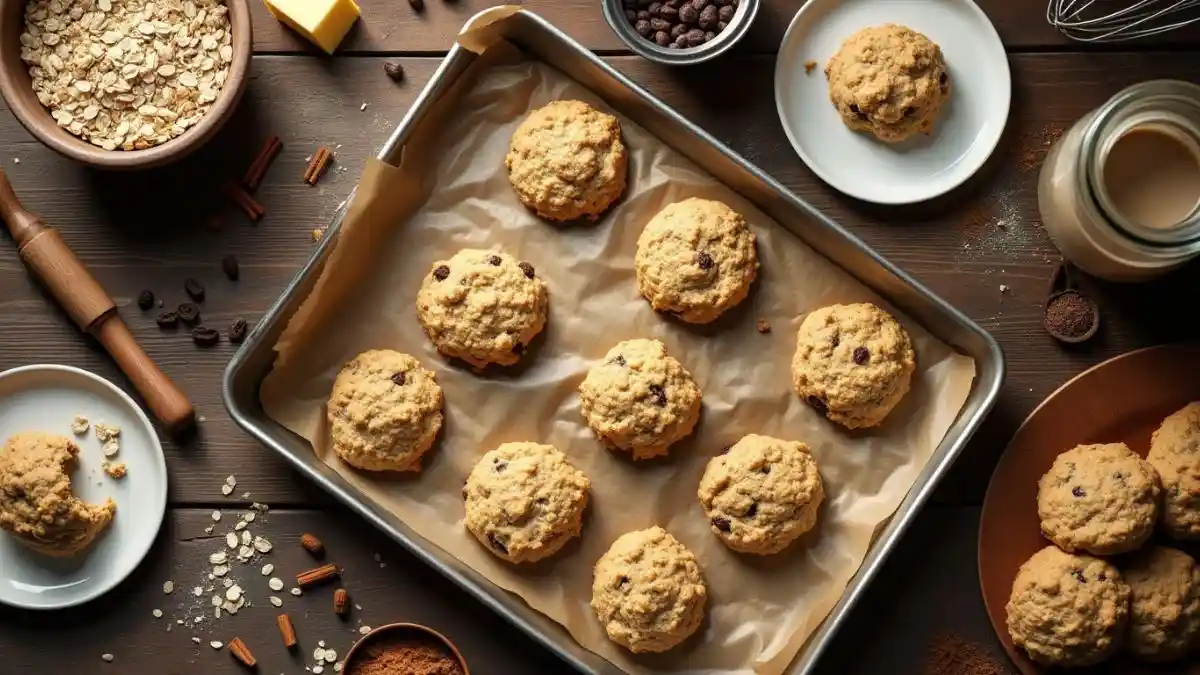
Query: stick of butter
x=322 y=22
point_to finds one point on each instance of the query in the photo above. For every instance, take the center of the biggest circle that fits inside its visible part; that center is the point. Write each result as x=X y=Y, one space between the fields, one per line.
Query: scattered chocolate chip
x=695 y=37
x=642 y=27
x=1079 y=577
x=689 y=14
x=725 y=14
x=1078 y=491
x=527 y=269
x=720 y=523
x=750 y=512
x=497 y=544
x=205 y=337
x=399 y=379
x=494 y=260
x=704 y=260
x=188 y=312
x=622 y=580
x=167 y=320
x=618 y=360
x=229 y=265
x=659 y=394
x=661 y=38
x=441 y=272
x=762 y=325
x=817 y=404
x=238 y=330
x=861 y=355
x=195 y=289
x=145 y=300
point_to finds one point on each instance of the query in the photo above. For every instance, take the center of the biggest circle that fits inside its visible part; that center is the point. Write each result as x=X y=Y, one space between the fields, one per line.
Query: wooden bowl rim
x=378 y=630
x=23 y=103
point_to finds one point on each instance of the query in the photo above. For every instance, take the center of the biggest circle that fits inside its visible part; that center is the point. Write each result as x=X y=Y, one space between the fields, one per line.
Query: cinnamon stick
x=287 y=630
x=320 y=161
x=262 y=162
x=253 y=210
x=242 y=653
x=317 y=575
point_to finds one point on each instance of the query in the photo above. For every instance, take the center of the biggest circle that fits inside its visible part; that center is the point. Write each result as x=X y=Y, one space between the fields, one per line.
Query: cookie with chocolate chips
x=853 y=363
x=762 y=494
x=384 y=412
x=525 y=501
x=696 y=259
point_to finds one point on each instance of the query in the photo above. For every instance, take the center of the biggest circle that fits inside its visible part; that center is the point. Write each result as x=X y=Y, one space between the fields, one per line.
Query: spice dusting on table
x=412 y=654
x=952 y=655
x=1069 y=315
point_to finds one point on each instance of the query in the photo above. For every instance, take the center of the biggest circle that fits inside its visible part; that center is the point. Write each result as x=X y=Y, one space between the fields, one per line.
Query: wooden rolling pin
x=52 y=262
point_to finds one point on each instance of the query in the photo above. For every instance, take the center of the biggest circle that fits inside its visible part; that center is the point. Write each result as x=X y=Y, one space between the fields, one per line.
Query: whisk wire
x=1100 y=21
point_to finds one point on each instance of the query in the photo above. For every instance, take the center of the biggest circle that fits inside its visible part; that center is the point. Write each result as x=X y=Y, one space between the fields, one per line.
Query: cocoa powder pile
x=411 y=654
x=952 y=655
x=1069 y=315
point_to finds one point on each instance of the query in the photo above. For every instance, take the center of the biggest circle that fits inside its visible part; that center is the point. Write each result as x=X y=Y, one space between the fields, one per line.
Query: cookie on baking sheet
x=1164 y=603
x=640 y=399
x=524 y=501
x=695 y=259
x=37 y=505
x=853 y=363
x=567 y=161
x=1175 y=454
x=482 y=306
x=888 y=80
x=385 y=411
x=1066 y=609
x=648 y=591
x=761 y=494
x=1102 y=499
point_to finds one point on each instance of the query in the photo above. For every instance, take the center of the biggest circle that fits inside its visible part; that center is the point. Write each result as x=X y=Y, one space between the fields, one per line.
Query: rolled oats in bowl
x=127 y=74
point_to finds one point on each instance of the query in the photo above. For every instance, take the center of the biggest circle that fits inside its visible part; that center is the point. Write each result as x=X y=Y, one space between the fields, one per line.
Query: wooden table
x=151 y=231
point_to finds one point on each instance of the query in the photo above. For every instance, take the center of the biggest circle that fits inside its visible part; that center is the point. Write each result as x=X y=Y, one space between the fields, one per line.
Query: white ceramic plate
x=918 y=169
x=46 y=398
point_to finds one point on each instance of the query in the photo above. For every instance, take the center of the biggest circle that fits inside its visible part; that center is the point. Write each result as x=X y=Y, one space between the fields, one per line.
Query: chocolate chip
x=660 y=26
x=1102 y=577
x=857 y=111
x=1078 y=491
x=441 y=272
x=704 y=260
x=518 y=348
x=494 y=260
x=836 y=339
x=527 y=269
x=497 y=544
x=642 y=27
x=689 y=14
x=708 y=17
x=1079 y=577
x=909 y=111
x=167 y=320
x=399 y=379
x=238 y=330
x=618 y=360
x=862 y=355
x=145 y=300
x=764 y=469
x=695 y=37
x=817 y=404
x=661 y=38
x=630 y=16
x=659 y=394
x=500 y=466
x=205 y=337
x=394 y=70
x=622 y=580
x=720 y=523
x=194 y=289
x=229 y=265
x=942 y=78
x=188 y=313
x=725 y=13
x=750 y=512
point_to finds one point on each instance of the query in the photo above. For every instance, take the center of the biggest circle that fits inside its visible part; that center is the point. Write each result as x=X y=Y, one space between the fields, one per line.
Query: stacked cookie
x=524 y=501
x=1072 y=607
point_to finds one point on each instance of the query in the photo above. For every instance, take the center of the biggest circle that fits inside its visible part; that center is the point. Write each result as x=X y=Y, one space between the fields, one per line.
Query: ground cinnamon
x=408 y=655
x=950 y=654
x=1069 y=315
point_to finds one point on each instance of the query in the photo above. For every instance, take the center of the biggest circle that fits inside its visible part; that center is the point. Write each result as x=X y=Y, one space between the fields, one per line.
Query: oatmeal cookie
x=385 y=411
x=1102 y=499
x=696 y=259
x=761 y=494
x=1164 y=603
x=1067 y=610
x=648 y=592
x=889 y=80
x=853 y=363
x=567 y=161
x=482 y=306
x=639 y=399
x=524 y=501
x=37 y=506
x=1175 y=454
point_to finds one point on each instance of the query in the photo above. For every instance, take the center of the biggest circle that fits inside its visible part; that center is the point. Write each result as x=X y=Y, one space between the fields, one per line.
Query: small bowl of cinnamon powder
x=405 y=649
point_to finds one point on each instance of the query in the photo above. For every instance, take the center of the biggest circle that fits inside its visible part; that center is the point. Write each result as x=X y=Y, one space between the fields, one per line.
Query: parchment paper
x=452 y=192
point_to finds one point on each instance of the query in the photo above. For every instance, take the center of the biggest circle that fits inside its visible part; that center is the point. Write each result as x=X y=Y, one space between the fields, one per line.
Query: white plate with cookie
x=56 y=568
x=949 y=126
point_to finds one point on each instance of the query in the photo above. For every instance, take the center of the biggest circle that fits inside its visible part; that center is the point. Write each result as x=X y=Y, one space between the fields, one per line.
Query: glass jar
x=1104 y=209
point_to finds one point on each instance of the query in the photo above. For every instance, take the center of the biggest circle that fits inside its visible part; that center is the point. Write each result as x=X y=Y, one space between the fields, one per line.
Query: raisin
x=1102 y=577
x=622 y=580
x=857 y=112
x=497 y=544
x=194 y=289
x=399 y=379
x=942 y=78
x=909 y=111
x=689 y=14
x=167 y=320
x=752 y=511
x=695 y=37
x=631 y=16
x=518 y=348
x=720 y=523
x=669 y=13
x=861 y=355
x=704 y=260
x=494 y=260
x=464 y=491
x=725 y=450
x=661 y=38
x=394 y=70
x=643 y=15
x=145 y=300
x=725 y=14
x=229 y=265
x=660 y=25
x=836 y=339
x=654 y=8
x=1078 y=491
x=700 y=4
x=500 y=466
x=817 y=404
x=188 y=313
x=1079 y=577
x=441 y=272
x=659 y=394
x=708 y=17
x=642 y=27
x=618 y=360
x=238 y=330
x=205 y=337
x=527 y=269
x=764 y=469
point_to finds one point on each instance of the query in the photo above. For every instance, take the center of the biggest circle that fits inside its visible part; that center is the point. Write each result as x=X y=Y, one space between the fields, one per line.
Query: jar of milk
x=1120 y=192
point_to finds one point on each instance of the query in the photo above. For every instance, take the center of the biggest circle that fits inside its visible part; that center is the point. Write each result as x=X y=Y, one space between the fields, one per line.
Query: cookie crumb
x=115 y=470
x=80 y=425
x=809 y=66
x=762 y=325
x=108 y=658
x=111 y=448
x=106 y=432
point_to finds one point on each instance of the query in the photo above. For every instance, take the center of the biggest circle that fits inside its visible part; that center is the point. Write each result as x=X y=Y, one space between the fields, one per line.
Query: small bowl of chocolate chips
x=680 y=32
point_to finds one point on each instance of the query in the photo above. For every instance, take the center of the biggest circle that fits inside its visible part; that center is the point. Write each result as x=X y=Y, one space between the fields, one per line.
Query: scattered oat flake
x=318 y=669
x=1003 y=288
x=363 y=630
x=197 y=591
x=267 y=569
x=262 y=545
x=249 y=517
x=296 y=591
x=220 y=570
x=231 y=481
x=16 y=160
x=80 y=425
x=208 y=530
x=276 y=601
x=197 y=619
x=157 y=613
x=216 y=644
x=363 y=106
x=241 y=525
x=233 y=593
x=245 y=495
x=330 y=656
x=196 y=639
x=110 y=448
x=216 y=601
x=106 y=432
x=319 y=652
x=218 y=558
x=168 y=587
x=226 y=490
x=276 y=584
x=216 y=516
x=227 y=583
x=337 y=667
x=107 y=657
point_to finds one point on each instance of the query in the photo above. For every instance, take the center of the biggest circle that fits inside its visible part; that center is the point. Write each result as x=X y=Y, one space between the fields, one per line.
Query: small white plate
x=918 y=169
x=46 y=398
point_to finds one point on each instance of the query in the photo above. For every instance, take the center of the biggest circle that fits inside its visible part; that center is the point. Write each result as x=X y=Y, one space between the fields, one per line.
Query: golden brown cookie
x=1175 y=455
x=1164 y=603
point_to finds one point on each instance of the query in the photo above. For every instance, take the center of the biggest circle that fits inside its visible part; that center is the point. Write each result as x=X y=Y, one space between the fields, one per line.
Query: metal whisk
x=1116 y=20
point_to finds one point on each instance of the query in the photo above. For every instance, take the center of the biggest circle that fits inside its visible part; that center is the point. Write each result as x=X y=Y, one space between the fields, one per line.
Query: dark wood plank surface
x=132 y=233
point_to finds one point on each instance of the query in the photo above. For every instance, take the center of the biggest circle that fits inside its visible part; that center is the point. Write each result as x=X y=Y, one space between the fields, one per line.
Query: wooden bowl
x=1122 y=400
x=397 y=630
x=17 y=90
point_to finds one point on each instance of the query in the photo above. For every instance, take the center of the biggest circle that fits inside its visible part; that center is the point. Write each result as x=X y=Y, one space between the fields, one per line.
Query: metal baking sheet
x=539 y=39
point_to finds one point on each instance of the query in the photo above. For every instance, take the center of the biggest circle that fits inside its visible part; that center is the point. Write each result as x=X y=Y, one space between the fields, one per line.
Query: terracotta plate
x=1121 y=400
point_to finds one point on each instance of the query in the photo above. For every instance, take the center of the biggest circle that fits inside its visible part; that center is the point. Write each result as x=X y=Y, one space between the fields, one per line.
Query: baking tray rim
x=990 y=370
